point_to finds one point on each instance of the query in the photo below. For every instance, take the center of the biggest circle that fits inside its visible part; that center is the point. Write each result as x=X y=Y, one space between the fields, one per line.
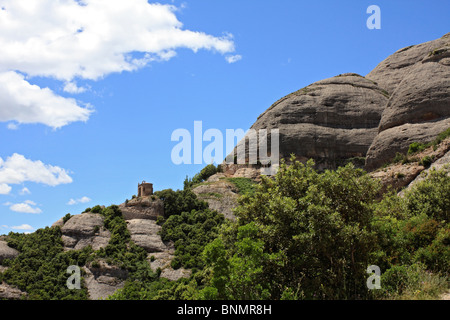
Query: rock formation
x=418 y=78
x=221 y=195
x=103 y=279
x=144 y=233
x=10 y=293
x=83 y=230
x=404 y=99
x=142 y=208
x=7 y=252
x=330 y=120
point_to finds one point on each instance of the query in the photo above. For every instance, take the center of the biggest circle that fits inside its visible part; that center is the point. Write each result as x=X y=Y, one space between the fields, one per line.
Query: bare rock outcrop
x=162 y=261
x=220 y=194
x=391 y=71
x=144 y=233
x=10 y=293
x=329 y=121
x=103 y=279
x=419 y=108
x=142 y=208
x=397 y=139
x=400 y=175
x=7 y=252
x=83 y=230
x=441 y=164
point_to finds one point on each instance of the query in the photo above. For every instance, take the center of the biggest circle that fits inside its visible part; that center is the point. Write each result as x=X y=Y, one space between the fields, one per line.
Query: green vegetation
x=311 y=236
x=416 y=147
x=191 y=231
x=426 y=161
x=121 y=251
x=177 y=202
x=40 y=268
x=67 y=217
x=244 y=185
x=298 y=235
x=203 y=175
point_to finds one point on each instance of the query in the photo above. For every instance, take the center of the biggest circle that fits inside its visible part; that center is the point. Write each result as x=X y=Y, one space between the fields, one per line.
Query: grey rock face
x=103 y=280
x=10 y=293
x=7 y=252
x=397 y=139
x=441 y=164
x=329 y=120
x=83 y=230
x=419 y=107
x=220 y=195
x=145 y=234
x=142 y=208
x=390 y=72
x=162 y=261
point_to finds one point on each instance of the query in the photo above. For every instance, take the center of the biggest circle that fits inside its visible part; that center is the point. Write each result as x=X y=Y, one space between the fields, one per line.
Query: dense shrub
x=176 y=202
x=191 y=231
x=203 y=175
x=40 y=268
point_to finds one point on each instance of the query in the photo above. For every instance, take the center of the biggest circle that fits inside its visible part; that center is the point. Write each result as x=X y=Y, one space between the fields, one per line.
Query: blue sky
x=89 y=97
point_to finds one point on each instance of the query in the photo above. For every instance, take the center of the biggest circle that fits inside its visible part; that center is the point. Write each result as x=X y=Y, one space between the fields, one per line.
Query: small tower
x=145 y=189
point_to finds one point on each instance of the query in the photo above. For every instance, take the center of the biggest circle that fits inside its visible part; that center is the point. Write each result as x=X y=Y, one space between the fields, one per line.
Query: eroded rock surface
x=142 y=208
x=10 y=293
x=220 y=194
x=103 y=279
x=7 y=252
x=330 y=120
x=144 y=233
x=83 y=230
x=419 y=107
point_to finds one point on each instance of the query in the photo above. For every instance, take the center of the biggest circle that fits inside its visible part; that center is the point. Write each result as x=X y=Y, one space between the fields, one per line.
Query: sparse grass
x=416 y=147
x=412 y=283
x=244 y=185
x=426 y=161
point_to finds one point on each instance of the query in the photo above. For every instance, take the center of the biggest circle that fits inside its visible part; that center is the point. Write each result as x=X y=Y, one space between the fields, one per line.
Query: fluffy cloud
x=87 y=39
x=22 y=227
x=24 y=191
x=25 y=227
x=71 y=87
x=233 y=59
x=17 y=169
x=77 y=201
x=25 y=207
x=4 y=188
x=26 y=103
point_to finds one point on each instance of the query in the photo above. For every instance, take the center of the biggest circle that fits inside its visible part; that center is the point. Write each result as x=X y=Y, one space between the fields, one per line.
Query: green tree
x=313 y=229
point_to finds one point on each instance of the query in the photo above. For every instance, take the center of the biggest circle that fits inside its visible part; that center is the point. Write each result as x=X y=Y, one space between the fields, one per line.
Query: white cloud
x=25 y=207
x=233 y=59
x=76 y=201
x=22 y=227
x=72 y=87
x=24 y=191
x=17 y=169
x=87 y=39
x=4 y=188
x=26 y=103
x=12 y=126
